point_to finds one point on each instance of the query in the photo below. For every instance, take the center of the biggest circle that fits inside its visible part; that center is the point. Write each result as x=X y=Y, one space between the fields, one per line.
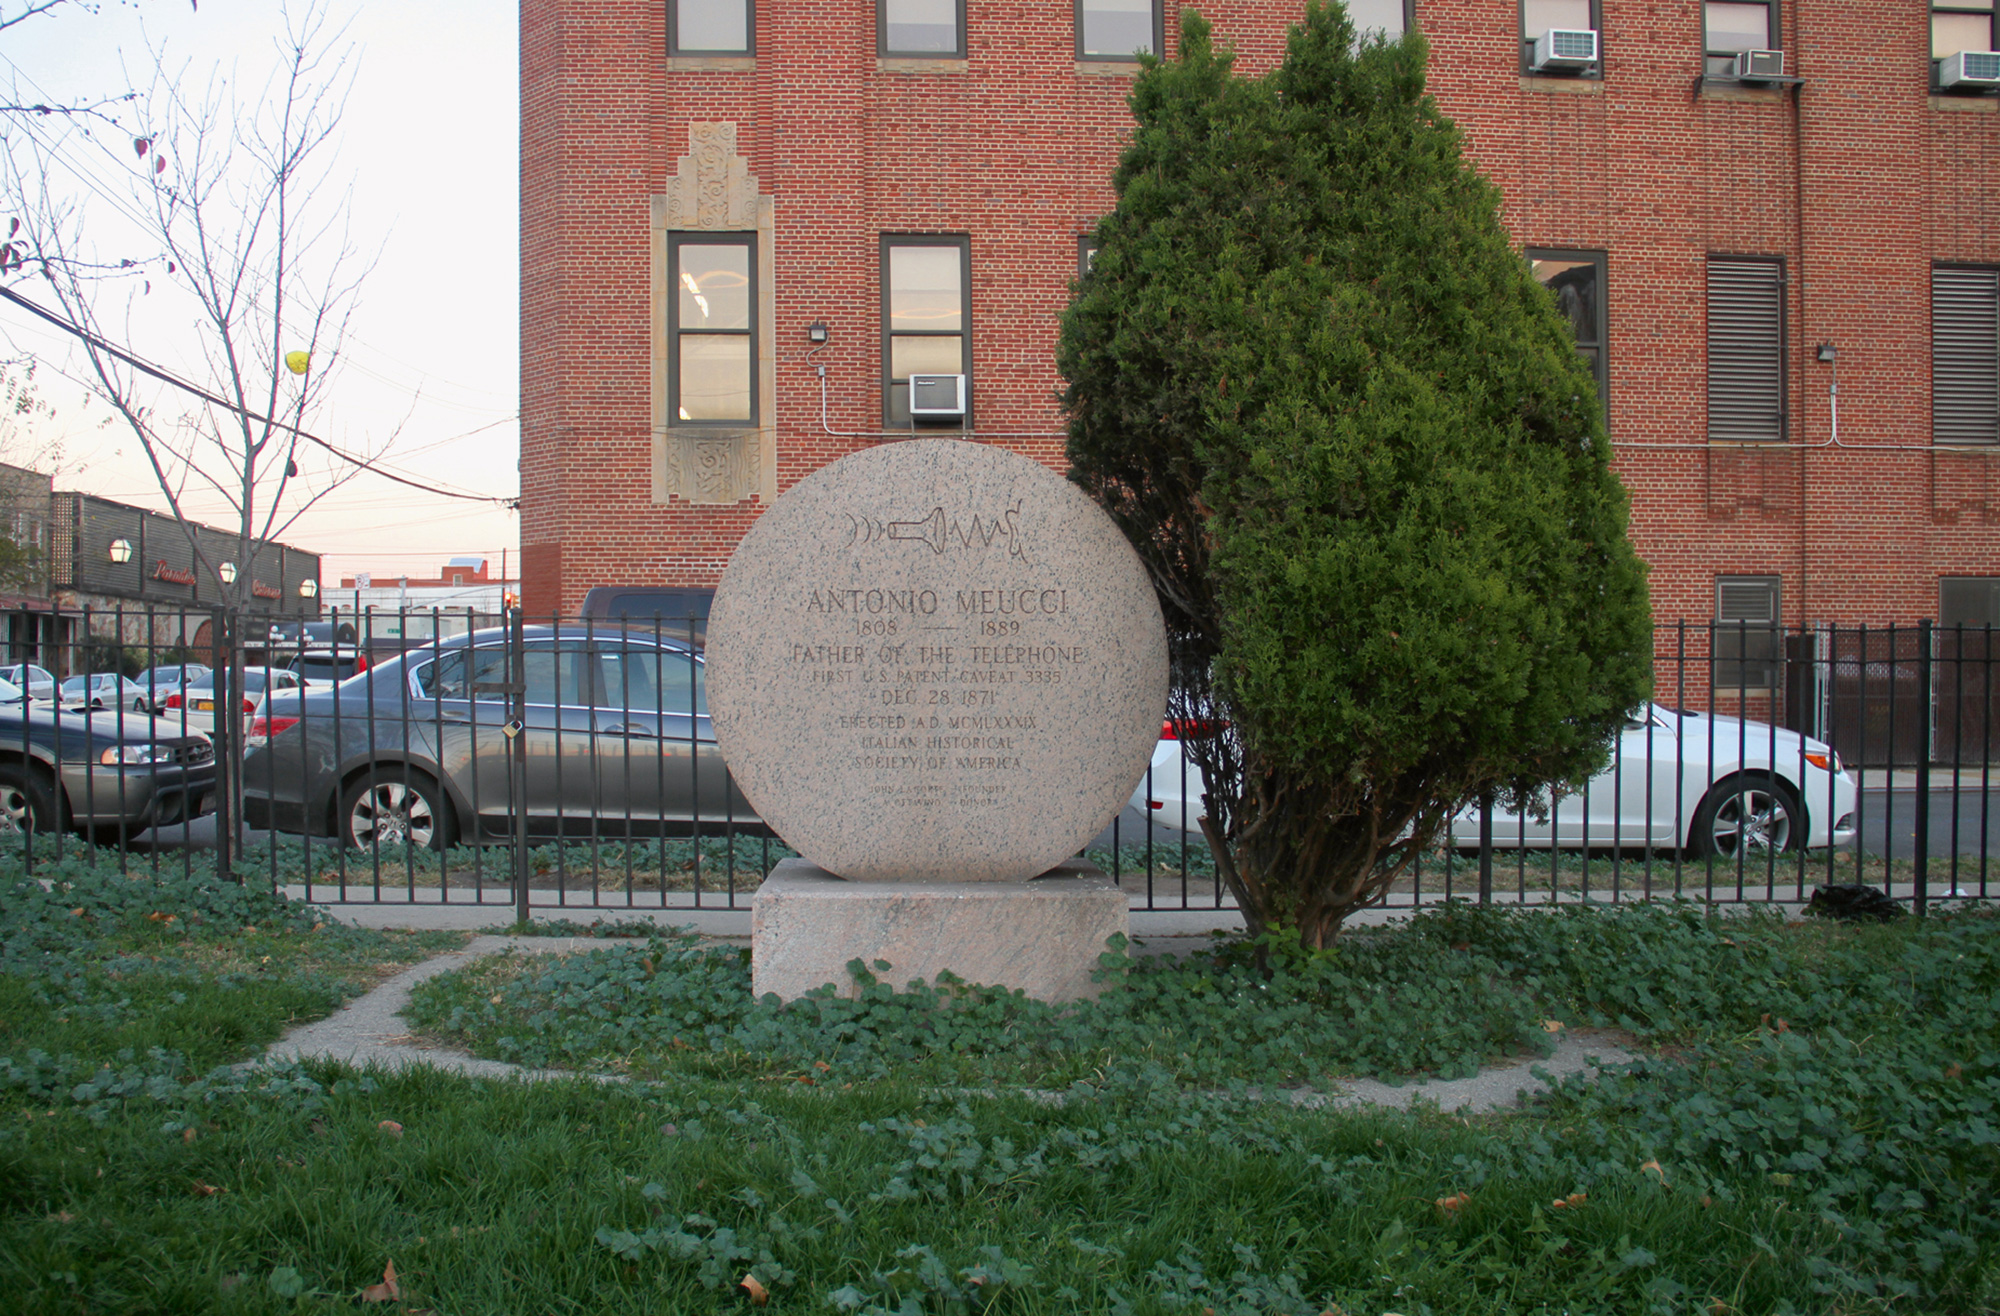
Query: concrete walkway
x=371 y=1031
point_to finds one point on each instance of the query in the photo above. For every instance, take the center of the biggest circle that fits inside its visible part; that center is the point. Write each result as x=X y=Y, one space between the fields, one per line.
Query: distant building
x=30 y=625
x=132 y=573
x=465 y=594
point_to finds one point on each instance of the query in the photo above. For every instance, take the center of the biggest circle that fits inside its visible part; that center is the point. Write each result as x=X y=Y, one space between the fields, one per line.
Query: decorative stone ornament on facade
x=713 y=191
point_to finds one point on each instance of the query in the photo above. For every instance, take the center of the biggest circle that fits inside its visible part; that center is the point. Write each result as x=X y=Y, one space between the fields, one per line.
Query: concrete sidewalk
x=370 y=1031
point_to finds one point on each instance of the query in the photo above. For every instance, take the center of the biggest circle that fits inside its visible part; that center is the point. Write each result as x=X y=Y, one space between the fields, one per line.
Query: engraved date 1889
x=994 y=626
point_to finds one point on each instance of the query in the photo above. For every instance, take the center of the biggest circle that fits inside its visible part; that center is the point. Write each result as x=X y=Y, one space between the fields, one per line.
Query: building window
x=1731 y=27
x=1086 y=254
x=1747 y=633
x=1746 y=350
x=1539 y=17
x=711 y=329
x=1961 y=25
x=1577 y=280
x=926 y=308
x=1387 y=18
x=711 y=27
x=1117 y=29
x=922 y=28
x=1965 y=355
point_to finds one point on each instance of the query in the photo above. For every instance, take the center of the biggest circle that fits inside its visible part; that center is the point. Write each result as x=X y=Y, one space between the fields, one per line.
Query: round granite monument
x=936 y=661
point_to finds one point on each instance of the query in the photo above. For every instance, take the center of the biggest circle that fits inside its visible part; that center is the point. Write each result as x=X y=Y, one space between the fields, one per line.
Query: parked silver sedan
x=103 y=690
x=1712 y=785
x=424 y=748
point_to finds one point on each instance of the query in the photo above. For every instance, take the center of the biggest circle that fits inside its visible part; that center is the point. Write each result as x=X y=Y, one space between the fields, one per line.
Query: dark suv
x=421 y=748
x=680 y=612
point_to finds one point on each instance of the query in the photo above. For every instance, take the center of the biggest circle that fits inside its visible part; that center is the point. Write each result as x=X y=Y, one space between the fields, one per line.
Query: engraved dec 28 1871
x=936 y=660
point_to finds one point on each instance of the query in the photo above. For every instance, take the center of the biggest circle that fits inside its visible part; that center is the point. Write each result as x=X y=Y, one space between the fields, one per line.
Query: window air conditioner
x=1970 y=68
x=1565 y=48
x=1759 y=65
x=937 y=397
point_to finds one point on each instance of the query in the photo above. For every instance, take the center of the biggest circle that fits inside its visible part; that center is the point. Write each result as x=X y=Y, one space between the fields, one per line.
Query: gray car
x=420 y=748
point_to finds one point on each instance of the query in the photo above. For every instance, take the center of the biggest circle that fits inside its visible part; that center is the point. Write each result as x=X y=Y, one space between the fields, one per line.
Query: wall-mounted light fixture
x=308 y=588
x=817 y=332
x=120 y=551
x=228 y=573
x=1829 y=353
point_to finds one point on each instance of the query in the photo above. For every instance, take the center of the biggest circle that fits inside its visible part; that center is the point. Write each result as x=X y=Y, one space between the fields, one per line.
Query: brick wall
x=1858 y=179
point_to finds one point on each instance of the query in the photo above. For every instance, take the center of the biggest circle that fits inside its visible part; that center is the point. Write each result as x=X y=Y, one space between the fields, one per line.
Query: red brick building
x=712 y=187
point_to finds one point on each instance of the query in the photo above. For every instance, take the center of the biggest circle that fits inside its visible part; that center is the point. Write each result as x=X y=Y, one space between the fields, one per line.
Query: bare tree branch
x=231 y=188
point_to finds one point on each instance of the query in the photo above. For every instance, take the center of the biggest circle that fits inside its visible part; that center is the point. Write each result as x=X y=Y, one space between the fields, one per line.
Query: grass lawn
x=1814 y=1131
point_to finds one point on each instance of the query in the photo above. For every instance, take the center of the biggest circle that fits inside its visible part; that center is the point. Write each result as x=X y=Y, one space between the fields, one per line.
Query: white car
x=193 y=706
x=1679 y=781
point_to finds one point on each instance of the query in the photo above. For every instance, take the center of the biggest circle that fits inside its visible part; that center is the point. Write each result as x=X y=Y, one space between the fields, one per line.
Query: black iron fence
x=453 y=757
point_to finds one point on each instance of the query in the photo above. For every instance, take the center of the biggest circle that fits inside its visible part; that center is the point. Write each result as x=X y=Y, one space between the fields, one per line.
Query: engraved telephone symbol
x=930 y=530
x=938 y=533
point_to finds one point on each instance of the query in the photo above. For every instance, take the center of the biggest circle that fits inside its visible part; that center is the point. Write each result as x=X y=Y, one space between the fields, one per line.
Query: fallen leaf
x=1552 y=1025
x=495 y=998
x=1574 y=1199
x=1954 y=1071
x=63 y=1218
x=1706 y=1200
x=387 y=1291
x=205 y=1189
x=77 y=912
x=1717 y=1307
x=1654 y=1166
x=188 y=1135
x=751 y=1289
x=317 y=926
x=1453 y=1203
x=668 y=1130
x=391 y=1128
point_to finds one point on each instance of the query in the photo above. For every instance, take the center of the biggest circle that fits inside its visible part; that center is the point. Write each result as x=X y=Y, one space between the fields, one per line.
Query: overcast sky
x=429 y=142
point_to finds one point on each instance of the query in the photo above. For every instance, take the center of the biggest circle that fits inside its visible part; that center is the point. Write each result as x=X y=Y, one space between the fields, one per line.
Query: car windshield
x=323 y=667
x=9 y=692
x=76 y=686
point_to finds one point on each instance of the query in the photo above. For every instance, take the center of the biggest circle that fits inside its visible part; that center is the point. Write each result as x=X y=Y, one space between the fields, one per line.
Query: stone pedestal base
x=1042 y=936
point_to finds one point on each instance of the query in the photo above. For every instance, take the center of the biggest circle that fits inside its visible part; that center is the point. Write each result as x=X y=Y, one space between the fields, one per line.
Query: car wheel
x=1753 y=813
x=26 y=802
x=392 y=806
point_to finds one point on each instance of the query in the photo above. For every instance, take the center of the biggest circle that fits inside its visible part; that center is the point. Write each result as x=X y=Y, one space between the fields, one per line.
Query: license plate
x=204 y=705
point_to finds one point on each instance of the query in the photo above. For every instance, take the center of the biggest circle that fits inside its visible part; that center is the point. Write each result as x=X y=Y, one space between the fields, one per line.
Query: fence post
x=1486 y=848
x=517 y=756
x=222 y=647
x=1923 y=829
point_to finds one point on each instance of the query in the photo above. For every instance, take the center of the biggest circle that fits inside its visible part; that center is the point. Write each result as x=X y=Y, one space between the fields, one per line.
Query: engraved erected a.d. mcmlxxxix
x=936 y=660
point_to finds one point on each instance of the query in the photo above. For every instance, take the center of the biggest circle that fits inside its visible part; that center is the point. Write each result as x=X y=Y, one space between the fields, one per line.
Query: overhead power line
x=166 y=376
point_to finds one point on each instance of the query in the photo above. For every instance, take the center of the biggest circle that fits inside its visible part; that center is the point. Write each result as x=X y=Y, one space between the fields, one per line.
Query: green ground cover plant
x=171 y=974
x=1814 y=1128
